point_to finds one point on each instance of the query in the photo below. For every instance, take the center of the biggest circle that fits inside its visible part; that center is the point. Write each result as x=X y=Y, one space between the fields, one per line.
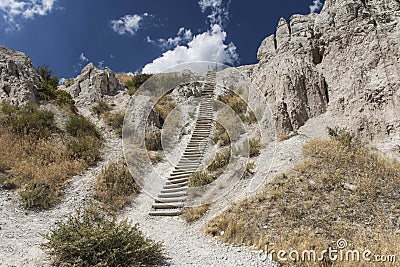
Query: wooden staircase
x=171 y=199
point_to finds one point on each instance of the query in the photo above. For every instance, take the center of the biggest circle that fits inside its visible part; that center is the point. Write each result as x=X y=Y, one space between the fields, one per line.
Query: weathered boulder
x=17 y=77
x=93 y=83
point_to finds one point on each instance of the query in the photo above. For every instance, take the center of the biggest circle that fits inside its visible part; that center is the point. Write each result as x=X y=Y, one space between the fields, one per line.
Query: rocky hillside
x=344 y=61
x=17 y=77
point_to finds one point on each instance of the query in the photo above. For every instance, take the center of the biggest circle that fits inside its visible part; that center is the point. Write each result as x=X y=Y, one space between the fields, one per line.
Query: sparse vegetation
x=339 y=191
x=41 y=158
x=115 y=121
x=286 y=136
x=254 y=147
x=164 y=106
x=193 y=214
x=67 y=83
x=89 y=238
x=102 y=107
x=239 y=106
x=153 y=141
x=200 y=178
x=80 y=127
x=221 y=160
x=249 y=171
x=343 y=136
x=220 y=135
x=156 y=156
x=115 y=186
x=133 y=82
x=48 y=89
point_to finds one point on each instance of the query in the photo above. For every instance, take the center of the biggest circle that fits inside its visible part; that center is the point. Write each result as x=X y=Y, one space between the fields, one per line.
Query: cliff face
x=17 y=77
x=344 y=61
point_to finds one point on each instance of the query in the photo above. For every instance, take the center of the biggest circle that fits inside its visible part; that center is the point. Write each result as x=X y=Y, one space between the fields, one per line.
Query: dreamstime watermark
x=342 y=253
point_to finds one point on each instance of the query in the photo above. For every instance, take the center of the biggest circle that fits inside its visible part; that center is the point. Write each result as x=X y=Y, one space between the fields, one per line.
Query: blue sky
x=131 y=36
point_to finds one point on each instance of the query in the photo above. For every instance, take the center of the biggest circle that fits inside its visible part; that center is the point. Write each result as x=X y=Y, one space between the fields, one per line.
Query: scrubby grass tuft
x=115 y=186
x=115 y=121
x=239 y=106
x=133 y=82
x=340 y=191
x=255 y=147
x=38 y=195
x=221 y=160
x=193 y=214
x=91 y=239
x=78 y=126
x=164 y=106
x=101 y=107
x=220 y=135
x=153 y=141
x=200 y=178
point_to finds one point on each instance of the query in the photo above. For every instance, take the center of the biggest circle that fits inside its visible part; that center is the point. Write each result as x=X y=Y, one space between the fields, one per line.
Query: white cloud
x=219 y=12
x=207 y=46
x=182 y=38
x=15 y=10
x=316 y=6
x=83 y=58
x=128 y=24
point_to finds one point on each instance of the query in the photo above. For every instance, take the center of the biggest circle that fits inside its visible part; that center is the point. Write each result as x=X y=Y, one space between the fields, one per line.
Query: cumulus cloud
x=316 y=6
x=207 y=46
x=219 y=11
x=15 y=10
x=128 y=24
x=183 y=36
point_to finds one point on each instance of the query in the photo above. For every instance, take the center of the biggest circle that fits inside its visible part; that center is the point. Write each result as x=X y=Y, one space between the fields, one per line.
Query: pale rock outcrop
x=17 y=77
x=94 y=83
x=344 y=61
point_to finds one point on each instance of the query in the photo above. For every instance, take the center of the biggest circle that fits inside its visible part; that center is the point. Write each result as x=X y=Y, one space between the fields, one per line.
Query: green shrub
x=200 y=178
x=28 y=120
x=79 y=126
x=343 y=136
x=89 y=238
x=48 y=89
x=136 y=81
x=255 y=147
x=221 y=159
x=85 y=148
x=115 y=186
x=38 y=195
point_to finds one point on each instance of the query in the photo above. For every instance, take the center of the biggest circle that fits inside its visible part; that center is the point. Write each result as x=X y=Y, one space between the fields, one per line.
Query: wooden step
x=171 y=205
x=174 y=212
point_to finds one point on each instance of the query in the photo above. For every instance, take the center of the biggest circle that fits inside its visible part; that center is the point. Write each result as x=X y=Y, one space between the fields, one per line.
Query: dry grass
x=164 y=106
x=286 y=136
x=156 y=156
x=239 y=106
x=200 y=178
x=220 y=135
x=115 y=186
x=341 y=191
x=35 y=161
x=193 y=214
x=220 y=161
x=153 y=141
x=255 y=147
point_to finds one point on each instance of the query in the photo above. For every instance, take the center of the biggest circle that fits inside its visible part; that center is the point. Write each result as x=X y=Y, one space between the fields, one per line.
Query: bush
x=28 y=120
x=79 y=126
x=239 y=106
x=91 y=239
x=136 y=81
x=115 y=186
x=48 y=89
x=101 y=108
x=255 y=147
x=38 y=195
x=200 y=178
x=220 y=135
x=221 y=159
x=343 y=136
x=85 y=148
x=69 y=82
